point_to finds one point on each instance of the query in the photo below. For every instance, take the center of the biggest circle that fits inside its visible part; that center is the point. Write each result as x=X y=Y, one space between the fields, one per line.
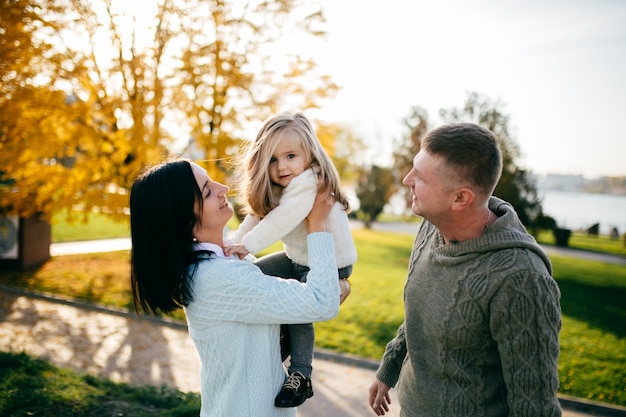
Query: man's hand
x=379 y=398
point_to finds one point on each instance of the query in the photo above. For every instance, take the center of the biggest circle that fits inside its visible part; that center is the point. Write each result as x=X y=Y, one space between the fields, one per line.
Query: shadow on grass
x=34 y=387
x=601 y=307
x=97 y=279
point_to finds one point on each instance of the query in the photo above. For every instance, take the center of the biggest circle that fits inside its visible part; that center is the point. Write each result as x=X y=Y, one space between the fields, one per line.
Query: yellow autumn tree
x=90 y=94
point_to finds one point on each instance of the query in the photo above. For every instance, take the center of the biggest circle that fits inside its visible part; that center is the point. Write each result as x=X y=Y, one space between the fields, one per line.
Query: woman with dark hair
x=233 y=310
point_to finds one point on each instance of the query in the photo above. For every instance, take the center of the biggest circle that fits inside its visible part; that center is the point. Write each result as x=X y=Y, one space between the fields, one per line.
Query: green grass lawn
x=32 y=387
x=370 y=317
x=593 y=338
x=99 y=226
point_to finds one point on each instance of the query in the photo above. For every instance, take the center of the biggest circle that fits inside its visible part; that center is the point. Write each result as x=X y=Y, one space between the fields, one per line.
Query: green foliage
x=375 y=187
x=32 y=387
x=408 y=146
x=343 y=146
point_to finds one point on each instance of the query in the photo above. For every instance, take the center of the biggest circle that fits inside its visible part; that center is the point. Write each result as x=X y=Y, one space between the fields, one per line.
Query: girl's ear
x=463 y=198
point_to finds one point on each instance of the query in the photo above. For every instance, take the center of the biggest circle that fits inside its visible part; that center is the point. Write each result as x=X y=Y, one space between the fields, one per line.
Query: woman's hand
x=316 y=220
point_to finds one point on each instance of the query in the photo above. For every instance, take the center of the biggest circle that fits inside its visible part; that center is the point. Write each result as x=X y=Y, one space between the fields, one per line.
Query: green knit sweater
x=481 y=329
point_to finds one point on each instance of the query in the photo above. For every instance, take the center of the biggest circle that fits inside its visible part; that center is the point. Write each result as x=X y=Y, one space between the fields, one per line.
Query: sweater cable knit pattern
x=234 y=321
x=482 y=318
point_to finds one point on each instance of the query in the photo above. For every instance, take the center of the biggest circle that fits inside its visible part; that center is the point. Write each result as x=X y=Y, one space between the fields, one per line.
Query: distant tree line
x=606 y=185
x=517 y=185
x=615 y=185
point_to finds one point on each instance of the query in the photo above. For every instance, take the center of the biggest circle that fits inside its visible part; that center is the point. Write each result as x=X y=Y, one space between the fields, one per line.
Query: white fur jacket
x=286 y=223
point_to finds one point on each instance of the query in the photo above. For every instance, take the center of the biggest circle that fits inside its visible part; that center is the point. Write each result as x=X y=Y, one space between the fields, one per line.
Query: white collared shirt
x=219 y=251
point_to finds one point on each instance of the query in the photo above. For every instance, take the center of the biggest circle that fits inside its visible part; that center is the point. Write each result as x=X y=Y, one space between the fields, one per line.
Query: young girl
x=281 y=172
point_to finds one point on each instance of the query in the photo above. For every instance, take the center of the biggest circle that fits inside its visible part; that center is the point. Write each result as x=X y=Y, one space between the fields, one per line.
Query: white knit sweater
x=234 y=321
x=286 y=223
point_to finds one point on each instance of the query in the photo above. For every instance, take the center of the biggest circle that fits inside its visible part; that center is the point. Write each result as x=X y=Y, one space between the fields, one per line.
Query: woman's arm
x=231 y=290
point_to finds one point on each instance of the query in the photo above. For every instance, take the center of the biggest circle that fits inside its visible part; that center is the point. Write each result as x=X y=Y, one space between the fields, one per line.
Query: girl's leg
x=279 y=265
x=301 y=337
x=297 y=388
x=302 y=341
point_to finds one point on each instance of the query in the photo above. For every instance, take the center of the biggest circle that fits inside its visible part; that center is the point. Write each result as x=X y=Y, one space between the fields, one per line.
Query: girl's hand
x=237 y=249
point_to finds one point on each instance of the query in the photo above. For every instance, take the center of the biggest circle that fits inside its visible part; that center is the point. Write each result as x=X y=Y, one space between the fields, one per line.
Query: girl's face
x=215 y=210
x=288 y=161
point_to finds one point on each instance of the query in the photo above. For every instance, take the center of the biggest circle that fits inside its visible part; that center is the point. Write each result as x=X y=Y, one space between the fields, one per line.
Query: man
x=482 y=317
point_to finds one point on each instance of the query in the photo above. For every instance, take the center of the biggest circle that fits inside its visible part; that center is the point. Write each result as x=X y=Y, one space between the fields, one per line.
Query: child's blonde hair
x=261 y=195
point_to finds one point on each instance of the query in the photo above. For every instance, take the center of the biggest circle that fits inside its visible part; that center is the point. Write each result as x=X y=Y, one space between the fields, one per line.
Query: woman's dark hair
x=162 y=220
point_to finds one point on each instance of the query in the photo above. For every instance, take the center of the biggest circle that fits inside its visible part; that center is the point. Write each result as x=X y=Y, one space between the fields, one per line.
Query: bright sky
x=559 y=67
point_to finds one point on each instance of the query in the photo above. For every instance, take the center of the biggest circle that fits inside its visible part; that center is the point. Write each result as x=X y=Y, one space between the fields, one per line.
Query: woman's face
x=215 y=210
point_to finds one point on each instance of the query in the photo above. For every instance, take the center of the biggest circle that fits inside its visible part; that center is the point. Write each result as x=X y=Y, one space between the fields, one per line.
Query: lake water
x=574 y=210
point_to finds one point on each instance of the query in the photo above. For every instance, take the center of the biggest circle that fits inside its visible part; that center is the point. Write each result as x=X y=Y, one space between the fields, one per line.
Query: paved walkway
x=57 y=249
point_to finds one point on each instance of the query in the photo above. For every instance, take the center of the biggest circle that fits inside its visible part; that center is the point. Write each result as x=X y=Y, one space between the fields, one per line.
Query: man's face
x=427 y=181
